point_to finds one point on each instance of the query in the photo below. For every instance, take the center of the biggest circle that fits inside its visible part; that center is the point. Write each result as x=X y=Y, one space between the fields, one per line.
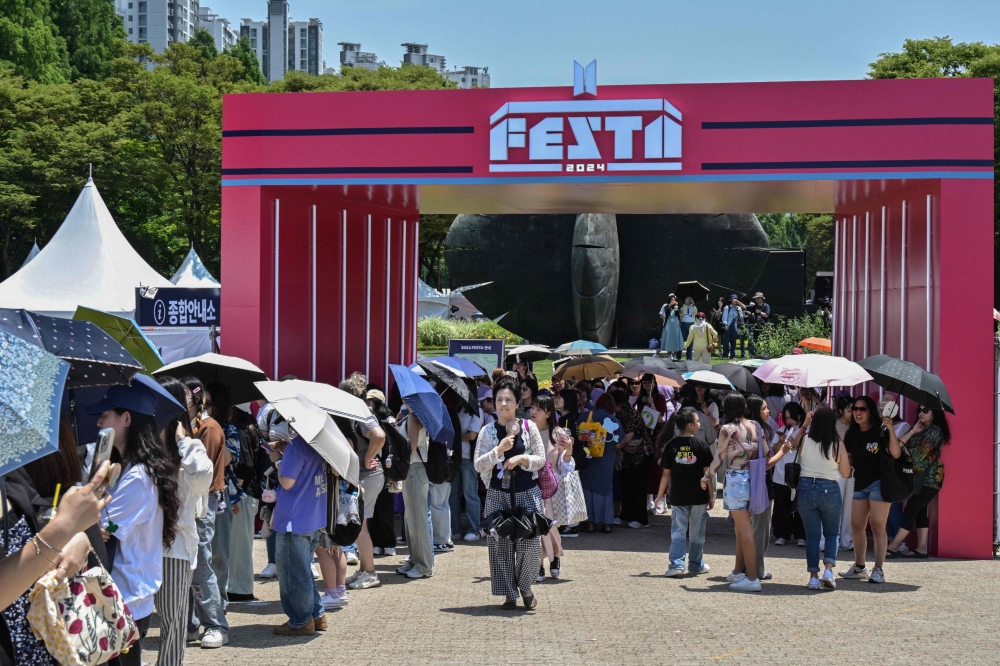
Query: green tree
x=205 y=43
x=93 y=32
x=406 y=77
x=433 y=230
x=940 y=57
x=31 y=42
x=252 y=73
x=812 y=232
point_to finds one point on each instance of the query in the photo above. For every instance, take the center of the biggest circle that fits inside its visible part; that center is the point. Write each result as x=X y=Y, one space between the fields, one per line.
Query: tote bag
x=897 y=476
x=758 y=478
x=83 y=621
x=568 y=505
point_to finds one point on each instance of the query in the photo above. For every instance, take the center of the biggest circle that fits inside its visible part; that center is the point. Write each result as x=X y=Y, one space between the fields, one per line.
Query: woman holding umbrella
x=924 y=442
x=508 y=455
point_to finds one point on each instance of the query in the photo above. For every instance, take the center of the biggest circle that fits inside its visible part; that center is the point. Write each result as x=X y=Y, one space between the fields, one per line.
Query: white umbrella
x=328 y=398
x=812 y=371
x=316 y=427
x=709 y=378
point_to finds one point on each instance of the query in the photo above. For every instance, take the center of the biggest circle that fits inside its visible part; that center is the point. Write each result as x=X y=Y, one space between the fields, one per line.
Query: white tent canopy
x=193 y=273
x=431 y=302
x=31 y=255
x=88 y=262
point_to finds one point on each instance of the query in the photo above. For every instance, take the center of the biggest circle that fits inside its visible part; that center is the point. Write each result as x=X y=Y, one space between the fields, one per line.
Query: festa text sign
x=487 y=353
x=177 y=306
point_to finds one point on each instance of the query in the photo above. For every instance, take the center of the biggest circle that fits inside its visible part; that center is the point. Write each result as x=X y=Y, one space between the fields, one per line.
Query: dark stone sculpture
x=550 y=277
x=594 y=268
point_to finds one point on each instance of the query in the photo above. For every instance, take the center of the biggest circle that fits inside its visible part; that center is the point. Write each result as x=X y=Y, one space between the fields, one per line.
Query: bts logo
x=602 y=134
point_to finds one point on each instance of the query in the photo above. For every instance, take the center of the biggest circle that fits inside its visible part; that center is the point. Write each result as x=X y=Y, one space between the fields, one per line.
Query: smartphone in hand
x=102 y=450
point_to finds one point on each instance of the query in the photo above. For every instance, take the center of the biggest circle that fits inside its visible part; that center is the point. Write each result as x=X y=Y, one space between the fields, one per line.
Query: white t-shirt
x=470 y=423
x=135 y=509
x=779 y=468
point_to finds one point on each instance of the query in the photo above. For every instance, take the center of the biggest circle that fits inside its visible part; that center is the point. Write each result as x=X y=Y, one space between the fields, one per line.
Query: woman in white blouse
x=508 y=455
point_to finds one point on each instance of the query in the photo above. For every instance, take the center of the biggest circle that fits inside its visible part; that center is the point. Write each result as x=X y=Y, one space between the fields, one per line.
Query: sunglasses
x=923 y=410
x=860 y=408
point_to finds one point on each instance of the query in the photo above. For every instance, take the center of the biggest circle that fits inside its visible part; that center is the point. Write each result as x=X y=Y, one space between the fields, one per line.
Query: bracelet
x=38 y=551
x=47 y=545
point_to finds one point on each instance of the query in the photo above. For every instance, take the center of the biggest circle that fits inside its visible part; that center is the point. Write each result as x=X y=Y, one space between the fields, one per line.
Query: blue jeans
x=439 y=501
x=895 y=520
x=729 y=337
x=221 y=541
x=206 y=610
x=466 y=483
x=296 y=587
x=683 y=519
x=685 y=329
x=820 y=504
x=872 y=492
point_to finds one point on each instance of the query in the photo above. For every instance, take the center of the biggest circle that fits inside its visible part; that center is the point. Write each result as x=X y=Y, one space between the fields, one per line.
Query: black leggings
x=915 y=511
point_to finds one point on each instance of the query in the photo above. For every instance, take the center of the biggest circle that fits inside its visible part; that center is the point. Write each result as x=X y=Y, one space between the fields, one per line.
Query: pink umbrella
x=812 y=371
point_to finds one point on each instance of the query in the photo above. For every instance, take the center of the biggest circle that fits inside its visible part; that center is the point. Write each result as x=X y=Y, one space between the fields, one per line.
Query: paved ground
x=612 y=606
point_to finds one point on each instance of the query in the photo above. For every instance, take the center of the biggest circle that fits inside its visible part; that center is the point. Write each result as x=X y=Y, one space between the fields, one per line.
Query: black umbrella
x=740 y=377
x=95 y=358
x=696 y=290
x=908 y=380
x=528 y=353
x=233 y=372
x=442 y=375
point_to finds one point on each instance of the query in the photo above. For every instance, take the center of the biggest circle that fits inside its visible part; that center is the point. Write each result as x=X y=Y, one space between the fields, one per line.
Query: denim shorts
x=736 y=494
x=872 y=492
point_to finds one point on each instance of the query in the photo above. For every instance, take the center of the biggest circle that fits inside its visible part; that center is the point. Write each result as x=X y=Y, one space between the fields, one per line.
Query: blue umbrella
x=31 y=386
x=424 y=401
x=580 y=348
x=144 y=396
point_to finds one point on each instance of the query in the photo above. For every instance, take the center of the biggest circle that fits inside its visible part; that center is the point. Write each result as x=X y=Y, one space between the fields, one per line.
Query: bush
x=433 y=333
x=781 y=338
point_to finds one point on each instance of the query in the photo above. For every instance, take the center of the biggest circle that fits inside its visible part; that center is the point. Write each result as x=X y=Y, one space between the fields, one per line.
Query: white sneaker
x=329 y=603
x=779 y=542
x=636 y=525
x=404 y=568
x=671 y=572
x=389 y=552
x=270 y=571
x=876 y=576
x=352 y=557
x=214 y=638
x=828 y=580
x=661 y=508
x=365 y=581
x=414 y=573
x=343 y=599
x=855 y=572
x=317 y=574
x=618 y=521
x=801 y=543
x=704 y=569
x=650 y=504
x=813 y=583
x=471 y=536
x=746 y=585
x=540 y=578
x=376 y=551
x=734 y=577
x=353 y=577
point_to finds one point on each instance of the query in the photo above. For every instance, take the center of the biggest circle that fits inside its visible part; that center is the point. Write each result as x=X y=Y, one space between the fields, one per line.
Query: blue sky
x=641 y=41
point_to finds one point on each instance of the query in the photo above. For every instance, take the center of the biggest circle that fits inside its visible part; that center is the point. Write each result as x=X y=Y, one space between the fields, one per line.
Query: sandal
x=606 y=529
x=892 y=554
x=589 y=529
x=530 y=605
x=917 y=555
x=510 y=604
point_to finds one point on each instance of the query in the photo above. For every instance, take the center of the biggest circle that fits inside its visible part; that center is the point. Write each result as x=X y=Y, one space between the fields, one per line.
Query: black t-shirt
x=686 y=458
x=865 y=447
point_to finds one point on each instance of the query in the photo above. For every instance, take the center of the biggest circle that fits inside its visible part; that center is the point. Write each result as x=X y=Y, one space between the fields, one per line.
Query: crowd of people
x=685 y=330
x=175 y=529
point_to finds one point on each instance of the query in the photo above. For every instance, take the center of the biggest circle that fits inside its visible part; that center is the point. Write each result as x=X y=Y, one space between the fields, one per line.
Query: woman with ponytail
x=141 y=520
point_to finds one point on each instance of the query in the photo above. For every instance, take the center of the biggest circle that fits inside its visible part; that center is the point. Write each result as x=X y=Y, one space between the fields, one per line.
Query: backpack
x=443 y=461
x=345 y=510
x=395 y=453
x=247 y=468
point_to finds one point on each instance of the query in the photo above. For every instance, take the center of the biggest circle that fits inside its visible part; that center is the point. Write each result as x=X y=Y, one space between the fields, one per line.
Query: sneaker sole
x=828 y=584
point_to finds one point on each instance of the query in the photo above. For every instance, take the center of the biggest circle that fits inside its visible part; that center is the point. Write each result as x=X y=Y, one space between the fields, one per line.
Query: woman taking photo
x=543 y=415
x=865 y=442
x=823 y=461
x=141 y=520
x=924 y=442
x=508 y=456
x=567 y=405
x=671 y=340
x=786 y=521
x=737 y=447
x=180 y=558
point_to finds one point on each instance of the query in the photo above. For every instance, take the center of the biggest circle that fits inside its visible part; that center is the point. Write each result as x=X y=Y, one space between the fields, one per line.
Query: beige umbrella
x=314 y=426
x=664 y=377
x=588 y=367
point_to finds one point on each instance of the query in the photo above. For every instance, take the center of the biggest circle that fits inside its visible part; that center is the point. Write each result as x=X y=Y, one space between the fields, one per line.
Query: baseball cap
x=375 y=394
x=133 y=399
x=485 y=392
x=732 y=296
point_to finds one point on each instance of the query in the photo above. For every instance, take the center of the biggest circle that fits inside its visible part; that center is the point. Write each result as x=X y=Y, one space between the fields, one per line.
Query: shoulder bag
x=897 y=476
x=758 y=477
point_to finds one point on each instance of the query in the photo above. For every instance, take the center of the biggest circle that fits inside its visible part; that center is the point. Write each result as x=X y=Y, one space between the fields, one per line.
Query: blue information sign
x=487 y=353
x=177 y=307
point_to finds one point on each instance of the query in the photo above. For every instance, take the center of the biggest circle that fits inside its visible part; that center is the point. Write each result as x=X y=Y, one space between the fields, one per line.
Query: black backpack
x=443 y=461
x=250 y=451
x=395 y=453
